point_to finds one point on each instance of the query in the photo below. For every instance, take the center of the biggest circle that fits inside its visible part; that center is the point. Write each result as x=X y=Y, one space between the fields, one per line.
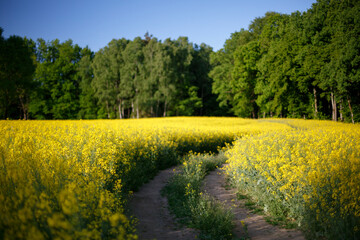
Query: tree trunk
x=120 y=111
x=334 y=107
x=341 y=111
x=22 y=99
x=137 y=102
x=137 y=110
x=107 y=109
x=351 y=112
x=23 y=108
x=202 y=100
x=157 y=108
x=164 y=115
x=315 y=104
x=264 y=115
x=132 y=109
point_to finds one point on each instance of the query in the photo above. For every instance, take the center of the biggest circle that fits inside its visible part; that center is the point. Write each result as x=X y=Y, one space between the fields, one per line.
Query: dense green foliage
x=17 y=65
x=138 y=78
x=300 y=65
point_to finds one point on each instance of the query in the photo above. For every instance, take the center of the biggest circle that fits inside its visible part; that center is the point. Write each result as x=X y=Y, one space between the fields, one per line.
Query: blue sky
x=95 y=23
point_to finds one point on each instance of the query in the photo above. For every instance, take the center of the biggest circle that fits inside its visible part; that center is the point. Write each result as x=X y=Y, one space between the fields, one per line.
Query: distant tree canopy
x=149 y=78
x=138 y=78
x=300 y=65
x=17 y=66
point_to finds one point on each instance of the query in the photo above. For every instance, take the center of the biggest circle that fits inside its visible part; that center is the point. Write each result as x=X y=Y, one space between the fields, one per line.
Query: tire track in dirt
x=256 y=226
x=151 y=209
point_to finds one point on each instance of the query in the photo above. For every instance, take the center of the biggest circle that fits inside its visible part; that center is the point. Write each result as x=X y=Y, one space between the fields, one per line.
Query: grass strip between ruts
x=193 y=207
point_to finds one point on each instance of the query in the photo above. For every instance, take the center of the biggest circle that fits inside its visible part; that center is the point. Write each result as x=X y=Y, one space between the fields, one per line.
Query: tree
x=17 y=66
x=117 y=64
x=200 y=68
x=166 y=89
x=133 y=70
x=299 y=65
x=228 y=74
x=181 y=57
x=342 y=70
x=110 y=82
x=87 y=102
x=150 y=73
x=221 y=75
x=244 y=77
x=57 y=95
x=273 y=82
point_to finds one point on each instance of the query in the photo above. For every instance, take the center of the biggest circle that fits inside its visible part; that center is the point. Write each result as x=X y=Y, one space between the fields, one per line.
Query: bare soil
x=156 y=222
x=151 y=209
x=256 y=226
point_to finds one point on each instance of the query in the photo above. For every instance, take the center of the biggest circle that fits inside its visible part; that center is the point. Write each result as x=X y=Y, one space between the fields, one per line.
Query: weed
x=240 y=196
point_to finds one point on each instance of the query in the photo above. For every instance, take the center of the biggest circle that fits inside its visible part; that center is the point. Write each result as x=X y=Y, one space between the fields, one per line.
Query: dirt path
x=257 y=227
x=155 y=221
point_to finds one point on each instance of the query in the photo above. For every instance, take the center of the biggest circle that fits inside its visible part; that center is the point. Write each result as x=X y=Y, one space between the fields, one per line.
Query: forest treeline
x=138 y=78
x=299 y=65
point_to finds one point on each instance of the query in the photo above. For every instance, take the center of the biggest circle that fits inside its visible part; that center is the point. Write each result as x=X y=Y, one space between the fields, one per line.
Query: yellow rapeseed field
x=310 y=173
x=70 y=179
